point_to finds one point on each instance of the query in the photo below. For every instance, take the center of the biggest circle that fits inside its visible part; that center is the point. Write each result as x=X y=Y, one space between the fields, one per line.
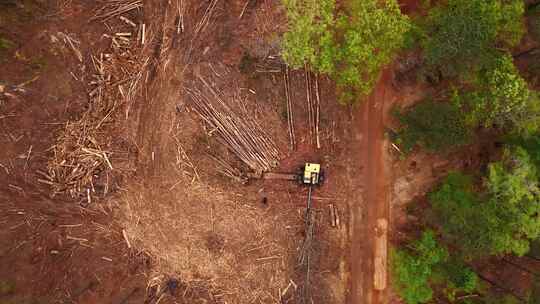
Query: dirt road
x=375 y=201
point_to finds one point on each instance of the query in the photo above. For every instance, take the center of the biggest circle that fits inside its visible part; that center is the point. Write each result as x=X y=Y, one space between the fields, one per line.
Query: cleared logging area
x=213 y=237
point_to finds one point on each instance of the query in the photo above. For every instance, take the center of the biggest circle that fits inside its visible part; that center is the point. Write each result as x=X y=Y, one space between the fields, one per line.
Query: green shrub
x=434 y=126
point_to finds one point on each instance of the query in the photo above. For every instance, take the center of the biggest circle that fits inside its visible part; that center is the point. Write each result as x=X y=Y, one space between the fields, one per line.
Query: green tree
x=457 y=277
x=370 y=33
x=351 y=48
x=436 y=126
x=501 y=97
x=502 y=219
x=531 y=144
x=412 y=270
x=512 y=185
x=461 y=34
x=459 y=212
x=310 y=35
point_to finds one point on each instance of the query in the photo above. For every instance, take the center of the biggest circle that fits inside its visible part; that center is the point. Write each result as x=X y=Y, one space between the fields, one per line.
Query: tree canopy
x=412 y=270
x=351 y=46
x=310 y=34
x=501 y=97
x=459 y=212
x=501 y=218
x=427 y=263
x=370 y=33
x=456 y=277
x=514 y=196
x=462 y=33
x=435 y=126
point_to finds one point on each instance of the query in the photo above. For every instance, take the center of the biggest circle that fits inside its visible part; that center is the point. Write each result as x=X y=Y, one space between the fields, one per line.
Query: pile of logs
x=241 y=134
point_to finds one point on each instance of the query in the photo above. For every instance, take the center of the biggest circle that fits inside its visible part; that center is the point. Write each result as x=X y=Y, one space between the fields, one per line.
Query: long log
x=318 y=112
x=290 y=118
x=309 y=102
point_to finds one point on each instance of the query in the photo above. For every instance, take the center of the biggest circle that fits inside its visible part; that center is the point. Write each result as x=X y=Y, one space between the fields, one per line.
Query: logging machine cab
x=312 y=174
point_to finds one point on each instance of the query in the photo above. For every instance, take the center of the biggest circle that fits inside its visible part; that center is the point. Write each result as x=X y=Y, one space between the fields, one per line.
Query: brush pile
x=114 y=8
x=235 y=129
x=81 y=157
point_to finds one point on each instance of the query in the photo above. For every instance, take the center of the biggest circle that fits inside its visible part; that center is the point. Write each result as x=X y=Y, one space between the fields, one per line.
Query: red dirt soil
x=375 y=200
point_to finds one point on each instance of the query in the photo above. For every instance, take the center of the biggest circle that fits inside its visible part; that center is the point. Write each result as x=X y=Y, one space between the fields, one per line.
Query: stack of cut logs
x=241 y=134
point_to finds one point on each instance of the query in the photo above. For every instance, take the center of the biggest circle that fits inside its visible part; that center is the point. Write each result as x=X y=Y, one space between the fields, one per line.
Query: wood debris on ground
x=80 y=162
x=334 y=216
x=115 y=8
